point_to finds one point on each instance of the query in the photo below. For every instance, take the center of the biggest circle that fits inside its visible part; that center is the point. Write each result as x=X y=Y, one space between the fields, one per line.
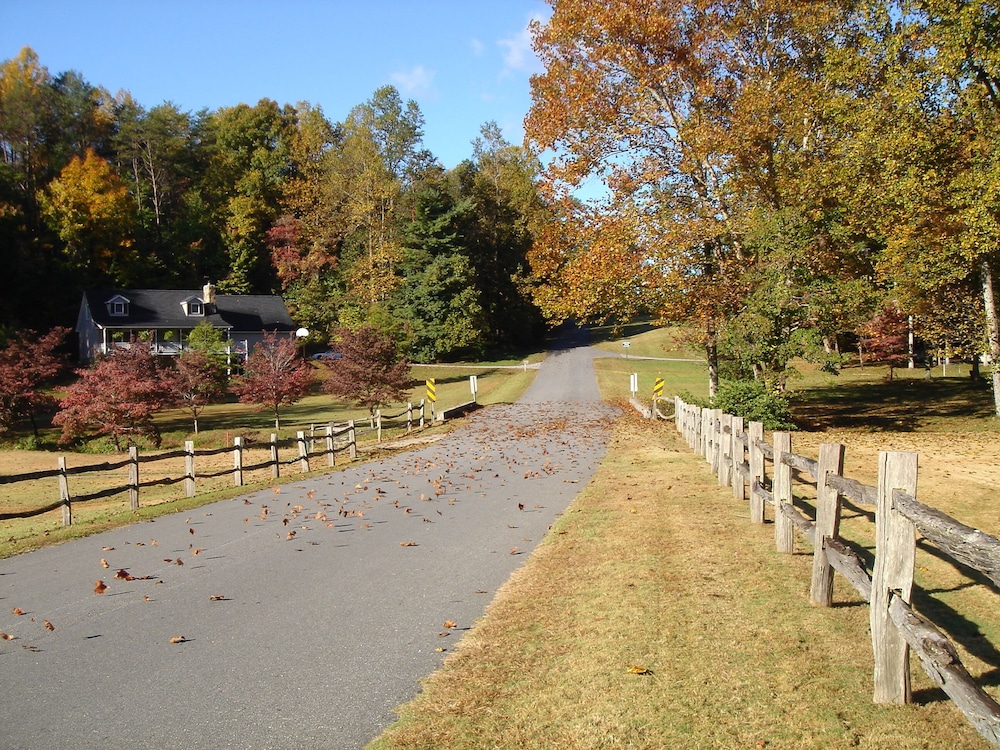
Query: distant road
x=305 y=613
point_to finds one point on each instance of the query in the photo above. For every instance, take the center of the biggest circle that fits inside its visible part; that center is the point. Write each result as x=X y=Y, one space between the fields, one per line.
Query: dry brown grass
x=655 y=566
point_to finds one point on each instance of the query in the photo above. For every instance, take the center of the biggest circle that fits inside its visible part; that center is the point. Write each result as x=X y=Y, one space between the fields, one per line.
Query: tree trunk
x=992 y=328
x=712 y=355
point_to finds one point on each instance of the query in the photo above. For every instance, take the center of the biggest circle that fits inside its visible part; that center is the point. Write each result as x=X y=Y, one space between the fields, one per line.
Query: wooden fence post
x=352 y=440
x=737 y=452
x=784 y=539
x=754 y=437
x=421 y=412
x=409 y=417
x=189 y=488
x=378 y=425
x=133 y=477
x=275 y=464
x=697 y=415
x=331 y=450
x=831 y=461
x=892 y=575
x=238 y=461
x=67 y=507
x=705 y=443
x=716 y=440
x=303 y=453
x=724 y=448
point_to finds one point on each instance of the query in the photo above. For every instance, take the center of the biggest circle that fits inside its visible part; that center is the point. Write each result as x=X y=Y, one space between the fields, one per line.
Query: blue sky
x=465 y=62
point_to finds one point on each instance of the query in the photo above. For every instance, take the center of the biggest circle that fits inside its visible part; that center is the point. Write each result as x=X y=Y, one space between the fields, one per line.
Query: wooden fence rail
x=738 y=456
x=336 y=438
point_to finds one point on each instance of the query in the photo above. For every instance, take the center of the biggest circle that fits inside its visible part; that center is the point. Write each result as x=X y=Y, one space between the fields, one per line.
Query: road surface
x=301 y=615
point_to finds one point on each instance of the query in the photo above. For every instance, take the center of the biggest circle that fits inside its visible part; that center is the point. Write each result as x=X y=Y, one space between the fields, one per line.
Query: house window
x=119 y=308
x=195 y=308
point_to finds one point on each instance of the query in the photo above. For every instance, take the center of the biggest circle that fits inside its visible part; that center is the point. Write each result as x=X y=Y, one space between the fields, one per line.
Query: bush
x=755 y=402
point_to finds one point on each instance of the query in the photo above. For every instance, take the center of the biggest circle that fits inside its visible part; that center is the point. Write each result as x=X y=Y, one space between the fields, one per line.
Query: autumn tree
x=274 y=375
x=370 y=371
x=886 y=337
x=27 y=363
x=88 y=206
x=695 y=115
x=197 y=380
x=118 y=396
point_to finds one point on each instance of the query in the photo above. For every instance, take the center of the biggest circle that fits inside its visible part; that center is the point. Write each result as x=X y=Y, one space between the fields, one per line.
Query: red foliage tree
x=118 y=396
x=369 y=371
x=26 y=364
x=274 y=375
x=886 y=337
x=199 y=379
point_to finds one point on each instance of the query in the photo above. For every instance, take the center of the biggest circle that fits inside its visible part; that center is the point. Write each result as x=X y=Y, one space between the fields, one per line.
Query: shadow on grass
x=900 y=405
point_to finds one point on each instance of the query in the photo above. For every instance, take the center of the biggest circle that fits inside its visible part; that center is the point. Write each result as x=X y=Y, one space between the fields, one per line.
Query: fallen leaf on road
x=48 y=625
x=178 y=639
x=107 y=549
x=104 y=563
x=17 y=611
x=7 y=636
x=217 y=598
x=100 y=587
x=407 y=544
x=449 y=624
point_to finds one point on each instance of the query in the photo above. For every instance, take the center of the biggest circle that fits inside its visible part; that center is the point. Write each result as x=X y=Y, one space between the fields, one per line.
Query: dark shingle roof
x=161 y=308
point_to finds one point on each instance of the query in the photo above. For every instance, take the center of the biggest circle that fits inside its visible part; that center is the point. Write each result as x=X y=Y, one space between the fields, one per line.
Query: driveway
x=300 y=615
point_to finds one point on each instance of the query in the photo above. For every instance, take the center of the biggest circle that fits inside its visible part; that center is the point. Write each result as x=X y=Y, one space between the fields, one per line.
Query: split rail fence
x=737 y=454
x=330 y=439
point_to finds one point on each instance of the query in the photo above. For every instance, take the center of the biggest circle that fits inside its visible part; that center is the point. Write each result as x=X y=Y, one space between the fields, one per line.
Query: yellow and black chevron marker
x=431 y=392
x=658 y=388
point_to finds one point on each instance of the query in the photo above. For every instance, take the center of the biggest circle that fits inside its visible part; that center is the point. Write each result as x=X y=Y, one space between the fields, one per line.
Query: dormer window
x=118 y=306
x=193 y=306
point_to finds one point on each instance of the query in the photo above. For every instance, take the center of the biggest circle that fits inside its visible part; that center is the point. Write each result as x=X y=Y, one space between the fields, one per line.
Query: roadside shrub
x=755 y=402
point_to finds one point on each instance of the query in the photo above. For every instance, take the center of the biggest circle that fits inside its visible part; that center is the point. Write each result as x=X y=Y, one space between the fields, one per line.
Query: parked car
x=329 y=354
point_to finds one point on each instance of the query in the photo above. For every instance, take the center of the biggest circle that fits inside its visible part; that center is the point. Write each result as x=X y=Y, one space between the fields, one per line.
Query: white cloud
x=414 y=82
x=518 y=55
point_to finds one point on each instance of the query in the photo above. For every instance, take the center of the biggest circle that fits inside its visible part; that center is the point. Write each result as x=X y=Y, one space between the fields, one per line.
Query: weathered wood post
x=331 y=449
x=67 y=503
x=705 y=443
x=831 y=461
x=892 y=575
x=303 y=452
x=755 y=436
x=784 y=539
x=738 y=453
x=409 y=417
x=352 y=440
x=378 y=425
x=238 y=461
x=678 y=416
x=421 y=412
x=725 y=465
x=716 y=440
x=699 y=426
x=189 y=488
x=133 y=477
x=275 y=463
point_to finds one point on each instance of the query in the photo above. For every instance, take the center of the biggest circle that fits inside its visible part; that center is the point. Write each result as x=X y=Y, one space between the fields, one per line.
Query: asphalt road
x=305 y=615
